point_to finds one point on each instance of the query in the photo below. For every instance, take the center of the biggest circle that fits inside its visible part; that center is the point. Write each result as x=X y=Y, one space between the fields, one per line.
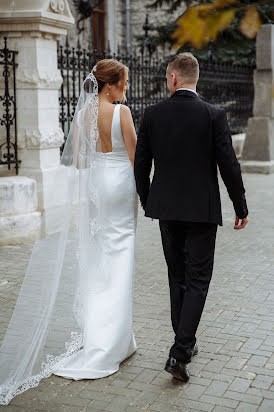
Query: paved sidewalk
x=234 y=370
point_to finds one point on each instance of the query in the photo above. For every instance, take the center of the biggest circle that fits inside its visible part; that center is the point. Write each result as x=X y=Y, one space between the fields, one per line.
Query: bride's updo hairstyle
x=109 y=71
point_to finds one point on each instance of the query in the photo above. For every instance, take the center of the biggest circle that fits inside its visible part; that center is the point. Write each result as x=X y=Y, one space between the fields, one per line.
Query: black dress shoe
x=194 y=350
x=177 y=369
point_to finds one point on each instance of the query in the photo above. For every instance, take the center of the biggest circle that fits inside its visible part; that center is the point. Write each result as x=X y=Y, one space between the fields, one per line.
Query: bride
x=73 y=316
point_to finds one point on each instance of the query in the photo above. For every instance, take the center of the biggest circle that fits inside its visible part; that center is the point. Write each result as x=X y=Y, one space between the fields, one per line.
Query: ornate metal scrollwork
x=8 y=148
x=223 y=85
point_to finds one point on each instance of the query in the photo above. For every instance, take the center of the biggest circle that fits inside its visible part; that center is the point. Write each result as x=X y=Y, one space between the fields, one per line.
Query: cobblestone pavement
x=234 y=370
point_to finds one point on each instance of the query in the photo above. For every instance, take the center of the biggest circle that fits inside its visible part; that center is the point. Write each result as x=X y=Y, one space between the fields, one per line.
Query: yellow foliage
x=250 y=23
x=220 y=21
x=202 y=23
x=221 y=4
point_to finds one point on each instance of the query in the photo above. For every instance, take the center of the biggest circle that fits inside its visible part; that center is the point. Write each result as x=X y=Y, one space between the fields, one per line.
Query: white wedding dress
x=73 y=314
x=107 y=325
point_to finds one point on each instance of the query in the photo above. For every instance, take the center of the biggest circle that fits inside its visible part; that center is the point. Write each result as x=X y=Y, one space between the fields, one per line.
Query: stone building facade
x=115 y=18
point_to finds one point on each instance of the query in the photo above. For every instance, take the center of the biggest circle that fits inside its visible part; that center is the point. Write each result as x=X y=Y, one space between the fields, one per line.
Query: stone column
x=258 y=151
x=33 y=28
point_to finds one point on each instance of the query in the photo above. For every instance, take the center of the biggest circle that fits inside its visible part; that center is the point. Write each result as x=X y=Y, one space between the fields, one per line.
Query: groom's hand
x=240 y=223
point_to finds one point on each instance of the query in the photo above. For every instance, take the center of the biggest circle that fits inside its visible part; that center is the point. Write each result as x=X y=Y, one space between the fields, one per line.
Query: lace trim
x=86 y=234
x=9 y=391
x=87 y=155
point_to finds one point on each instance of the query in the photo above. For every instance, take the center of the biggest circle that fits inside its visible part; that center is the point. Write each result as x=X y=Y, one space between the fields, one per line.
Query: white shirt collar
x=189 y=90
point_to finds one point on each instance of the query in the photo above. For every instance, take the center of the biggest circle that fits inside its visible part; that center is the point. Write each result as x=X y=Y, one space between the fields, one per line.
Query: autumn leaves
x=201 y=23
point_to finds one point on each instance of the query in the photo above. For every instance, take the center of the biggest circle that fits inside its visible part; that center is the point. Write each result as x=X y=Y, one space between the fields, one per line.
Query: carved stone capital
x=57 y=6
x=39 y=79
x=40 y=139
x=50 y=16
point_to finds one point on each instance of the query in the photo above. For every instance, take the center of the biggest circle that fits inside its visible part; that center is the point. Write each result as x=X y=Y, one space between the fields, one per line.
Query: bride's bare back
x=105 y=117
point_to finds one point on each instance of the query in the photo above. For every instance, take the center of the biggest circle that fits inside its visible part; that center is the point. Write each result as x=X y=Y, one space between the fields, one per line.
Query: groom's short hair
x=186 y=66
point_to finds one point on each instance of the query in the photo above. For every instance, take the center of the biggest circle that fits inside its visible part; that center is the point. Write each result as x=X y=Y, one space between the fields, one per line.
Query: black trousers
x=189 y=252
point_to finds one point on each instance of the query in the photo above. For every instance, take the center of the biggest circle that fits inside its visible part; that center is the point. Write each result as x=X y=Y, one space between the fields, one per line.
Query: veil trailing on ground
x=47 y=322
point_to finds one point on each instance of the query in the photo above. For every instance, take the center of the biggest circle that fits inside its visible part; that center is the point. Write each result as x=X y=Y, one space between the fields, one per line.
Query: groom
x=187 y=138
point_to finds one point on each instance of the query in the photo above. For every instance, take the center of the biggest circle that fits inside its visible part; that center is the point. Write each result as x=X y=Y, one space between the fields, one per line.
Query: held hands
x=240 y=223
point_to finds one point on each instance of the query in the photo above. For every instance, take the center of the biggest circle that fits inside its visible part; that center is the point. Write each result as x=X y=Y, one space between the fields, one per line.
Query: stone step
x=19 y=228
x=19 y=219
x=17 y=195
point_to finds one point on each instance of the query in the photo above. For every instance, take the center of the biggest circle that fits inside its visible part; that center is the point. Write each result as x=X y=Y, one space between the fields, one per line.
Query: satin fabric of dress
x=108 y=333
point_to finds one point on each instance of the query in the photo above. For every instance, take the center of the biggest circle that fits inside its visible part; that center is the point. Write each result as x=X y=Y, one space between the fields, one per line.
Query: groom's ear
x=174 y=77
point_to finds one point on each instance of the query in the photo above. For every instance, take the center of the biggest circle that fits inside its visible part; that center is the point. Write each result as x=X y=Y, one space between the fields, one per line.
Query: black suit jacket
x=187 y=138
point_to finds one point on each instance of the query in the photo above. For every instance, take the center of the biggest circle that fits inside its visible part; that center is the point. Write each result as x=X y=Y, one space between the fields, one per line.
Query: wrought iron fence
x=227 y=86
x=8 y=130
x=230 y=87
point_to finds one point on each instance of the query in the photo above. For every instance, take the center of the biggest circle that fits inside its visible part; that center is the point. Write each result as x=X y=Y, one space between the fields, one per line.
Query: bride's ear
x=108 y=89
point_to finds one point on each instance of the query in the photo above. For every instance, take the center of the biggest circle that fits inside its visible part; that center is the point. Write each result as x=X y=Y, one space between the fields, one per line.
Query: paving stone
x=122 y=391
x=257 y=392
x=147 y=376
x=100 y=405
x=145 y=399
x=257 y=360
x=200 y=406
x=195 y=367
x=145 y=387
x=119 y=404
x=215 y=366
x=262 y=372
x=269 y=341
x=71 y=400
x=169 y=396
x=217 y=388
x=237 y=396
x=192 y=391
x=239 y=385
x=267 y=394
x=245 y=373
x=246 y=407
x=267 y=406
x=260 y=384
x=95 y=395
x=236 y=363
x=220 y=401
x=234 y=369
x=213 y=347
x=233 y=345
x=200 y=381
x=62 y=408
x=93 y=408
x=163 y=407
x=216 y=376
x=252 y=343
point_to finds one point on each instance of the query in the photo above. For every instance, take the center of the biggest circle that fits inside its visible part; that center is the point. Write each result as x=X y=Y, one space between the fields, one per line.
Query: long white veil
x=47 y=322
